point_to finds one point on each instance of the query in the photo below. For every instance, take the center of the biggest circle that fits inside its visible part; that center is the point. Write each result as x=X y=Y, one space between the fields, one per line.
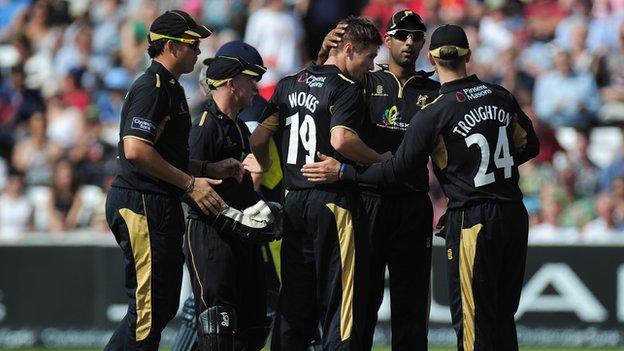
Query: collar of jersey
x=212 y=108
x=419 y=74
x=324 y=69
x=165 y=75
x=459 y=84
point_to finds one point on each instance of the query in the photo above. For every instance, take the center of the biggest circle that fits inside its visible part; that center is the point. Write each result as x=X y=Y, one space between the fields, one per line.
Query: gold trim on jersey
x=439 y=155
x=401 y=86
x=346 y=239
x=432 y=102
x=271 y=123
x=138 y=138
x=202 y=120
x=157 y=80
x=142 y=254
x=467 y=252
x=519 y=135
x=345 y=78
x=343 y=127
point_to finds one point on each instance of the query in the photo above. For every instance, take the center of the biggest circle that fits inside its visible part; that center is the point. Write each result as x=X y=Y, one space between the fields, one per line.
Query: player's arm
x=268 y=124
x=524 y=138
x=347 y=116
x=413 y=151
x=348 y=144
x=203 y=142
x=139 y=133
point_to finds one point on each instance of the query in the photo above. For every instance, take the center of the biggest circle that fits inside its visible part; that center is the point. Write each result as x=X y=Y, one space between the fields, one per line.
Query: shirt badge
x=422 y=100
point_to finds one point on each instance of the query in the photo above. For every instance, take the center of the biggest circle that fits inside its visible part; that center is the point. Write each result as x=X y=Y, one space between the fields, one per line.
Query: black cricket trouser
x=225 y=271
x=149 y=229
x=400 y=231
x=486 y=249
x=324 y=272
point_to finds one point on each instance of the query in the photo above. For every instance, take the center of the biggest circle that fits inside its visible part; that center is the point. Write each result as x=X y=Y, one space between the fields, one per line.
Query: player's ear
x=387 y=40
x=348 y=49
x=431 y=59
x=468 y=56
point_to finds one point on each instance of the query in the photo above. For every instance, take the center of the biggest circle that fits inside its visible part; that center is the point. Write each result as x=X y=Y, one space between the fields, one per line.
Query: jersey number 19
x=306 y=131
x=502 y=157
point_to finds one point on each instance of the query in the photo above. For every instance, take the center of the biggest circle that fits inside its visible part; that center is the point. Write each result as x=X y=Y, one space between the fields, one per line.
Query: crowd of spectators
x=66 y=64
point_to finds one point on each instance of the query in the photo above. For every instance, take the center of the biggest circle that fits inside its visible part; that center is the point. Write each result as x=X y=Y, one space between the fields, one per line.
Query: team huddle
x=352 y=147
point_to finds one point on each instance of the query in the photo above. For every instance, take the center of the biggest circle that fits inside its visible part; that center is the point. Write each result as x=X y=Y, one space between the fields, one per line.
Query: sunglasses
x=403 y=34
x=193 y=43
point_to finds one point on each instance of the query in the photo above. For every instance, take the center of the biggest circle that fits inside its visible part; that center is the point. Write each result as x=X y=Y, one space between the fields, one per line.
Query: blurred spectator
x=64 y=204
x=612 y=111
x=542 y=18
x=563 y=97
x=35 y=155
x=39 y=28
x=613 y=171
x=513 y=78
x=65 y=122
x=76 y=55
x=15 y=209
x=550 y=229
x=604 y=228
x=585 y=173
x=278 y=36
x=17 y=102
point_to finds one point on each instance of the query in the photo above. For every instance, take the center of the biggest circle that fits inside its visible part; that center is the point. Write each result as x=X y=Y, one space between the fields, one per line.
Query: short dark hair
x=156 y=48
x=453 y=63
x=360 y=32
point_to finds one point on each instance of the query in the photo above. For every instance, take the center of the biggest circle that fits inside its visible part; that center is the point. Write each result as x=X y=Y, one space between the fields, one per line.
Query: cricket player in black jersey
x=143 y=207
x=324 y=271
x=477 y=136
x=223 y=252
x=400 y=215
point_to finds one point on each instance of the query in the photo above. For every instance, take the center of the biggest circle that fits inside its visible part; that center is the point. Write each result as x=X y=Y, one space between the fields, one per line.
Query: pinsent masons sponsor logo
x=143 y=124
x=477 y=92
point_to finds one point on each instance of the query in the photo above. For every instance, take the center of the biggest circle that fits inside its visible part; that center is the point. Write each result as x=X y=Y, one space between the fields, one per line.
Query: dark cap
x=174 y=24
x=449 y=35
x=221 y=68
x=406 y=19
x=247 y=53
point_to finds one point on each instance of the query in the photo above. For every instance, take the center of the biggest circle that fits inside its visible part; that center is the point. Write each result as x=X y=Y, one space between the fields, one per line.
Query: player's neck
x=225 y=105
x=335 y=61
x=169 y=66
x=447 y=76
x=400 y=72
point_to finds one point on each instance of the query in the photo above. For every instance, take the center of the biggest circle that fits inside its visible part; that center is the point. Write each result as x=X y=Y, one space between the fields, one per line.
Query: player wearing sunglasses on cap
x=400 y=215
x=154 y=170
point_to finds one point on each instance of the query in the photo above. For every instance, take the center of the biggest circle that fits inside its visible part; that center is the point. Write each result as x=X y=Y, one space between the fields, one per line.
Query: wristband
x=342 y=170
x=191 y=186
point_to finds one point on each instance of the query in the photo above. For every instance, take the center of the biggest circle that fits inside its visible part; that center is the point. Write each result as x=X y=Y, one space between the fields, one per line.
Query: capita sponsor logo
x=311 y=80
x=390 y=119
x=144 y=125
x=472 y=93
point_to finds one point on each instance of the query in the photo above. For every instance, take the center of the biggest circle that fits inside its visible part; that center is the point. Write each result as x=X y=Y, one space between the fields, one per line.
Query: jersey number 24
x=502 y=157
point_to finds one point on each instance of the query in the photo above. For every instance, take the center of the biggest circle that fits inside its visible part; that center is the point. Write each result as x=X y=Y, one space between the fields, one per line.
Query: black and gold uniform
x=477 y=136
x=145 y=213
x=323 y=269
x=399 y=215
x=225 y=269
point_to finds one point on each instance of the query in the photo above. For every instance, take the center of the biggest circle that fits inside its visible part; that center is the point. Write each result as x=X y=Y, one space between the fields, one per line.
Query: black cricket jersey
x=154 y=111
x=215 y=137
x=477 y=136
x=302 y=112
x=391 y=106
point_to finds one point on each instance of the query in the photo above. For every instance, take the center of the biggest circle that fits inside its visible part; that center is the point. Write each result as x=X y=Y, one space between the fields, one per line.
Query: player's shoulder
x=499 y=90
x=148 y=80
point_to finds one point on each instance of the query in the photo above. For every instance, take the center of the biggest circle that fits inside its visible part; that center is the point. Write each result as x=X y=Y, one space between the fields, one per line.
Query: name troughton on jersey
x=302 y=99
x=481 y=114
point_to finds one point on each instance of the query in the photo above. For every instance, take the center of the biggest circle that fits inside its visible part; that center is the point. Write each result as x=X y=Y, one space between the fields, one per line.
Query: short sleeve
x=146 y=108
x=348 y=108
x=269 y=118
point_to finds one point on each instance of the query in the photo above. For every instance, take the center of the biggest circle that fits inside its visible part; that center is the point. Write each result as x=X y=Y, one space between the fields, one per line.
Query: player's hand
x=331 y=40
x=251 y=165
x=229 y=168
x=206 y=197
x=386 y=156
x=325 y=171
x=441 y=222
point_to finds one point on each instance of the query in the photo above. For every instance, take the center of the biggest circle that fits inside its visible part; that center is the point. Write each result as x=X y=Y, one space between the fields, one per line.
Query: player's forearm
x=200 y=168
x=146 y=158
x=260 y=147
x=349 y=145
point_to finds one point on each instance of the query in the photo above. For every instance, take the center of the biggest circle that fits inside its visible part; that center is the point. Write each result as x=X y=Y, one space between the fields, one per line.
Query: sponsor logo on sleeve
x=144 y=125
